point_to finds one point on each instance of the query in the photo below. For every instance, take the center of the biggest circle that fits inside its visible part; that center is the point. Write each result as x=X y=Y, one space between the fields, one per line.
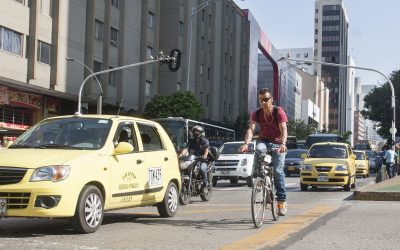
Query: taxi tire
x=354 y=183
x=81 y=225
x=169 y=205
x=347 y=187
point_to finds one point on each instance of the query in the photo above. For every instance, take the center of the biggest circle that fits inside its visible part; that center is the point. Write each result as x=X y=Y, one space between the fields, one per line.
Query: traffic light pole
x=173 y=61
x=393 y=129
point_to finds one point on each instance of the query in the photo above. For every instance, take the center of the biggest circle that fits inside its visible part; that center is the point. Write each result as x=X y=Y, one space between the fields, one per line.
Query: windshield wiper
x=55 y=146
x=21 y=146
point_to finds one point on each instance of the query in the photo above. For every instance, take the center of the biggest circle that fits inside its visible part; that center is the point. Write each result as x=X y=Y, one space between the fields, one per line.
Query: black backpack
x=274 y=114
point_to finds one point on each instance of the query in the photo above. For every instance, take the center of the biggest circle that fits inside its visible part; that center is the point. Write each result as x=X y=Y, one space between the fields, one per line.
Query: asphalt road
x=222 y=223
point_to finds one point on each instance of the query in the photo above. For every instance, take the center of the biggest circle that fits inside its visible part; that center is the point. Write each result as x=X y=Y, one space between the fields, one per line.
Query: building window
x=316 y=32
x=201 y=69
x=98 y=30
x=202 y=42
x=10 y=41
x=113 y=36
x=148 y=88
x=112 y=78
x=208 y=73
x=43 y=53
x=149 y=53
x=115 y=3
x=178 y=86
x=96 y=66
x=180 y=28
x=150 y=20
x=46 y=7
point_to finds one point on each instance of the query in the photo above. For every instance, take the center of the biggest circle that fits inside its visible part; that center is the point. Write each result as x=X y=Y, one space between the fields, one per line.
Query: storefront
x=18 y=112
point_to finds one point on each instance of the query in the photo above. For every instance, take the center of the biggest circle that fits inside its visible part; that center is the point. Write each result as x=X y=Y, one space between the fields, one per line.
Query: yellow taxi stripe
x=280 y=231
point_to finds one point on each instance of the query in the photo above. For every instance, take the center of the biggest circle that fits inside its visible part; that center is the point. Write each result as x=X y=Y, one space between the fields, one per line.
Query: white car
x=232 y=165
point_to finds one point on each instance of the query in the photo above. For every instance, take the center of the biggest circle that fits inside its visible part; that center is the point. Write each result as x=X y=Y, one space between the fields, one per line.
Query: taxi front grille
x=11 y=175
x=16 y=200
x=323 y=168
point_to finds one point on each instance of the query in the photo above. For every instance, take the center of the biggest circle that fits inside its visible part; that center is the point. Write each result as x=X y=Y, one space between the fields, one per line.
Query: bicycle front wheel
x=258 y=202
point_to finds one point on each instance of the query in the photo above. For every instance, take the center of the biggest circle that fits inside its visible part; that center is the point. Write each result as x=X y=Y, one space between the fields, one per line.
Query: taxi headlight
x=341 y=168
x=306 y=167
x=51 y=173
x=243 y=162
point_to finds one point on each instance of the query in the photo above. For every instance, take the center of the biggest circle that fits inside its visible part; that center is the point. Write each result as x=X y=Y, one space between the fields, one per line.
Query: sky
x=374 y=30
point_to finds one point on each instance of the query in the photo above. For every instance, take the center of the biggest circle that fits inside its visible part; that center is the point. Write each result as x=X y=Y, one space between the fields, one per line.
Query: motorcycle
x=192 y=181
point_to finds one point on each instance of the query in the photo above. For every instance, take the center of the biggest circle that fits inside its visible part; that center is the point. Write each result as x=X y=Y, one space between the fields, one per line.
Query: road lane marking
x=280 y=231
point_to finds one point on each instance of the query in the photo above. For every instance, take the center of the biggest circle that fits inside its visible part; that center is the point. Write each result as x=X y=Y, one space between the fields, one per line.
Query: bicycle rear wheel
x=274 y=202
x=258 y=202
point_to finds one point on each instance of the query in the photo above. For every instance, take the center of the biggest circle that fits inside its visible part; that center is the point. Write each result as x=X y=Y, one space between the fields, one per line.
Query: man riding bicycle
x=273 y=134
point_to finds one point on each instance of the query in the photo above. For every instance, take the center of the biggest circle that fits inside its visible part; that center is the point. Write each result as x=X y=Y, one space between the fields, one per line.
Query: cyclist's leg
x=261 y=145
x=278 y=160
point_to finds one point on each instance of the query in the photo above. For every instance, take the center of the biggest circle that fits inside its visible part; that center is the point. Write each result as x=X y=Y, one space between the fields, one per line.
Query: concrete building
x=331 y=45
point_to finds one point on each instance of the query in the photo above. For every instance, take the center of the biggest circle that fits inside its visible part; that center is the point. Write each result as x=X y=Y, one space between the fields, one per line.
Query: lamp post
x=393 y=129
x=194 y=11
x=99 y=100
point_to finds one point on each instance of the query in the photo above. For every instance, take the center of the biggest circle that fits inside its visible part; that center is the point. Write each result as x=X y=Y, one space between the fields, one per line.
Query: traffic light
x=175 y=63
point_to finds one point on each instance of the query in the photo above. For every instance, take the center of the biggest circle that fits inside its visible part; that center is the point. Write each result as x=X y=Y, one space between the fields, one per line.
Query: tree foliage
x=300 y=129
x=180 y=104
x=378 y=105
x=241 y=124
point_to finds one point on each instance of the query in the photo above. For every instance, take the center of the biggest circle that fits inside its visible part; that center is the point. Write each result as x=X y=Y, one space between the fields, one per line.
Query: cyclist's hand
x=282 y=148
x=243 y=148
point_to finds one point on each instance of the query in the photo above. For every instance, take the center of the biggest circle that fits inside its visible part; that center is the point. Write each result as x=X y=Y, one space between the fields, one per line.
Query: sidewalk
x=388 y=190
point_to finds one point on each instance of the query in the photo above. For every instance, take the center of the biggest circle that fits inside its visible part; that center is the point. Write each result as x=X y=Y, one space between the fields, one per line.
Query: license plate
x=291 y=168
x=3 y=207
x=322 y=178
x=225 y=172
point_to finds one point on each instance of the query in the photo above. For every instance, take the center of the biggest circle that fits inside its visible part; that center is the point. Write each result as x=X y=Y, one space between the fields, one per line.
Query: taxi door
x=155 y=160
x=127 y=171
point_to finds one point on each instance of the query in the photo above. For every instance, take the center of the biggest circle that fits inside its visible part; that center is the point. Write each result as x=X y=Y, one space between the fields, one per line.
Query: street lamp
x=99 y=100
x=194 y=11
x=393 y=129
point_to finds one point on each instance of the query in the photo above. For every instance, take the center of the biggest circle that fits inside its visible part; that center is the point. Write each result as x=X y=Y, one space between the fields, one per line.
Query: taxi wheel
x=89 y=210
x=348 y=185
x=354 y=183
x=169 y=206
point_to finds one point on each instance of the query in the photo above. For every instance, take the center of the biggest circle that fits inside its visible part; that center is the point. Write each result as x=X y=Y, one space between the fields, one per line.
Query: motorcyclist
x=198 y=145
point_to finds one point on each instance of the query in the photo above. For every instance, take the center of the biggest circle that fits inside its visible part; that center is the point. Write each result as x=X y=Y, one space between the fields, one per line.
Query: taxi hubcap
x=93 y=210
x=172 y=199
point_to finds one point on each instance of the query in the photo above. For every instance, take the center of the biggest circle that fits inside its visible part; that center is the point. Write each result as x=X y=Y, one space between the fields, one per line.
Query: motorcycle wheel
x=184 y=196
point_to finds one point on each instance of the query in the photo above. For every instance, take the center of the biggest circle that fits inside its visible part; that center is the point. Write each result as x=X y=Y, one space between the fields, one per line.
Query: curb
x=376 y=196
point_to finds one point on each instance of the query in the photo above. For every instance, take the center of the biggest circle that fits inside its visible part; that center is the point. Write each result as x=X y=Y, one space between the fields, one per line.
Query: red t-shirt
x=269 y=128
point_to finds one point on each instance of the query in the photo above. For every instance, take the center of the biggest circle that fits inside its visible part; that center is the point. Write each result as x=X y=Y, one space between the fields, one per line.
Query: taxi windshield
x=359 y=156
x=66 y=133
x=328 y=151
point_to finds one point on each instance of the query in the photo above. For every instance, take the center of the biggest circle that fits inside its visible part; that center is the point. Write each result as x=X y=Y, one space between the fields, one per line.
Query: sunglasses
x=265 y=99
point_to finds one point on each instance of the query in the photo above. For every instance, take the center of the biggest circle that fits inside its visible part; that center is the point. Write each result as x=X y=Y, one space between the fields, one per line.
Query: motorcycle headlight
x=243 y=162
x=51 y=173
x=341 y=168
x=306 y=167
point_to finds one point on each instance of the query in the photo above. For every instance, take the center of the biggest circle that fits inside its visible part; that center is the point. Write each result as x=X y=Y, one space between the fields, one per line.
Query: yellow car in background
x=328 y=164
x=362 y=163
x=79 y=166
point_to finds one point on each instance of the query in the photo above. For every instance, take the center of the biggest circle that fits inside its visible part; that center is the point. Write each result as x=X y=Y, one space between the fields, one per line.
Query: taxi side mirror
x=303 y=156
x=353 y=157
x=123 y=148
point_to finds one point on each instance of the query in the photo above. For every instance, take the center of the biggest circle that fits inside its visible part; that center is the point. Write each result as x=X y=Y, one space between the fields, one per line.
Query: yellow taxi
x=80 y=166
x=328 y=164
x=362 y=163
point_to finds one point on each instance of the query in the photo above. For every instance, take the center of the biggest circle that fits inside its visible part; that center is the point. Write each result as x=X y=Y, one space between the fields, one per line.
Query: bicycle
x=263 y=191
